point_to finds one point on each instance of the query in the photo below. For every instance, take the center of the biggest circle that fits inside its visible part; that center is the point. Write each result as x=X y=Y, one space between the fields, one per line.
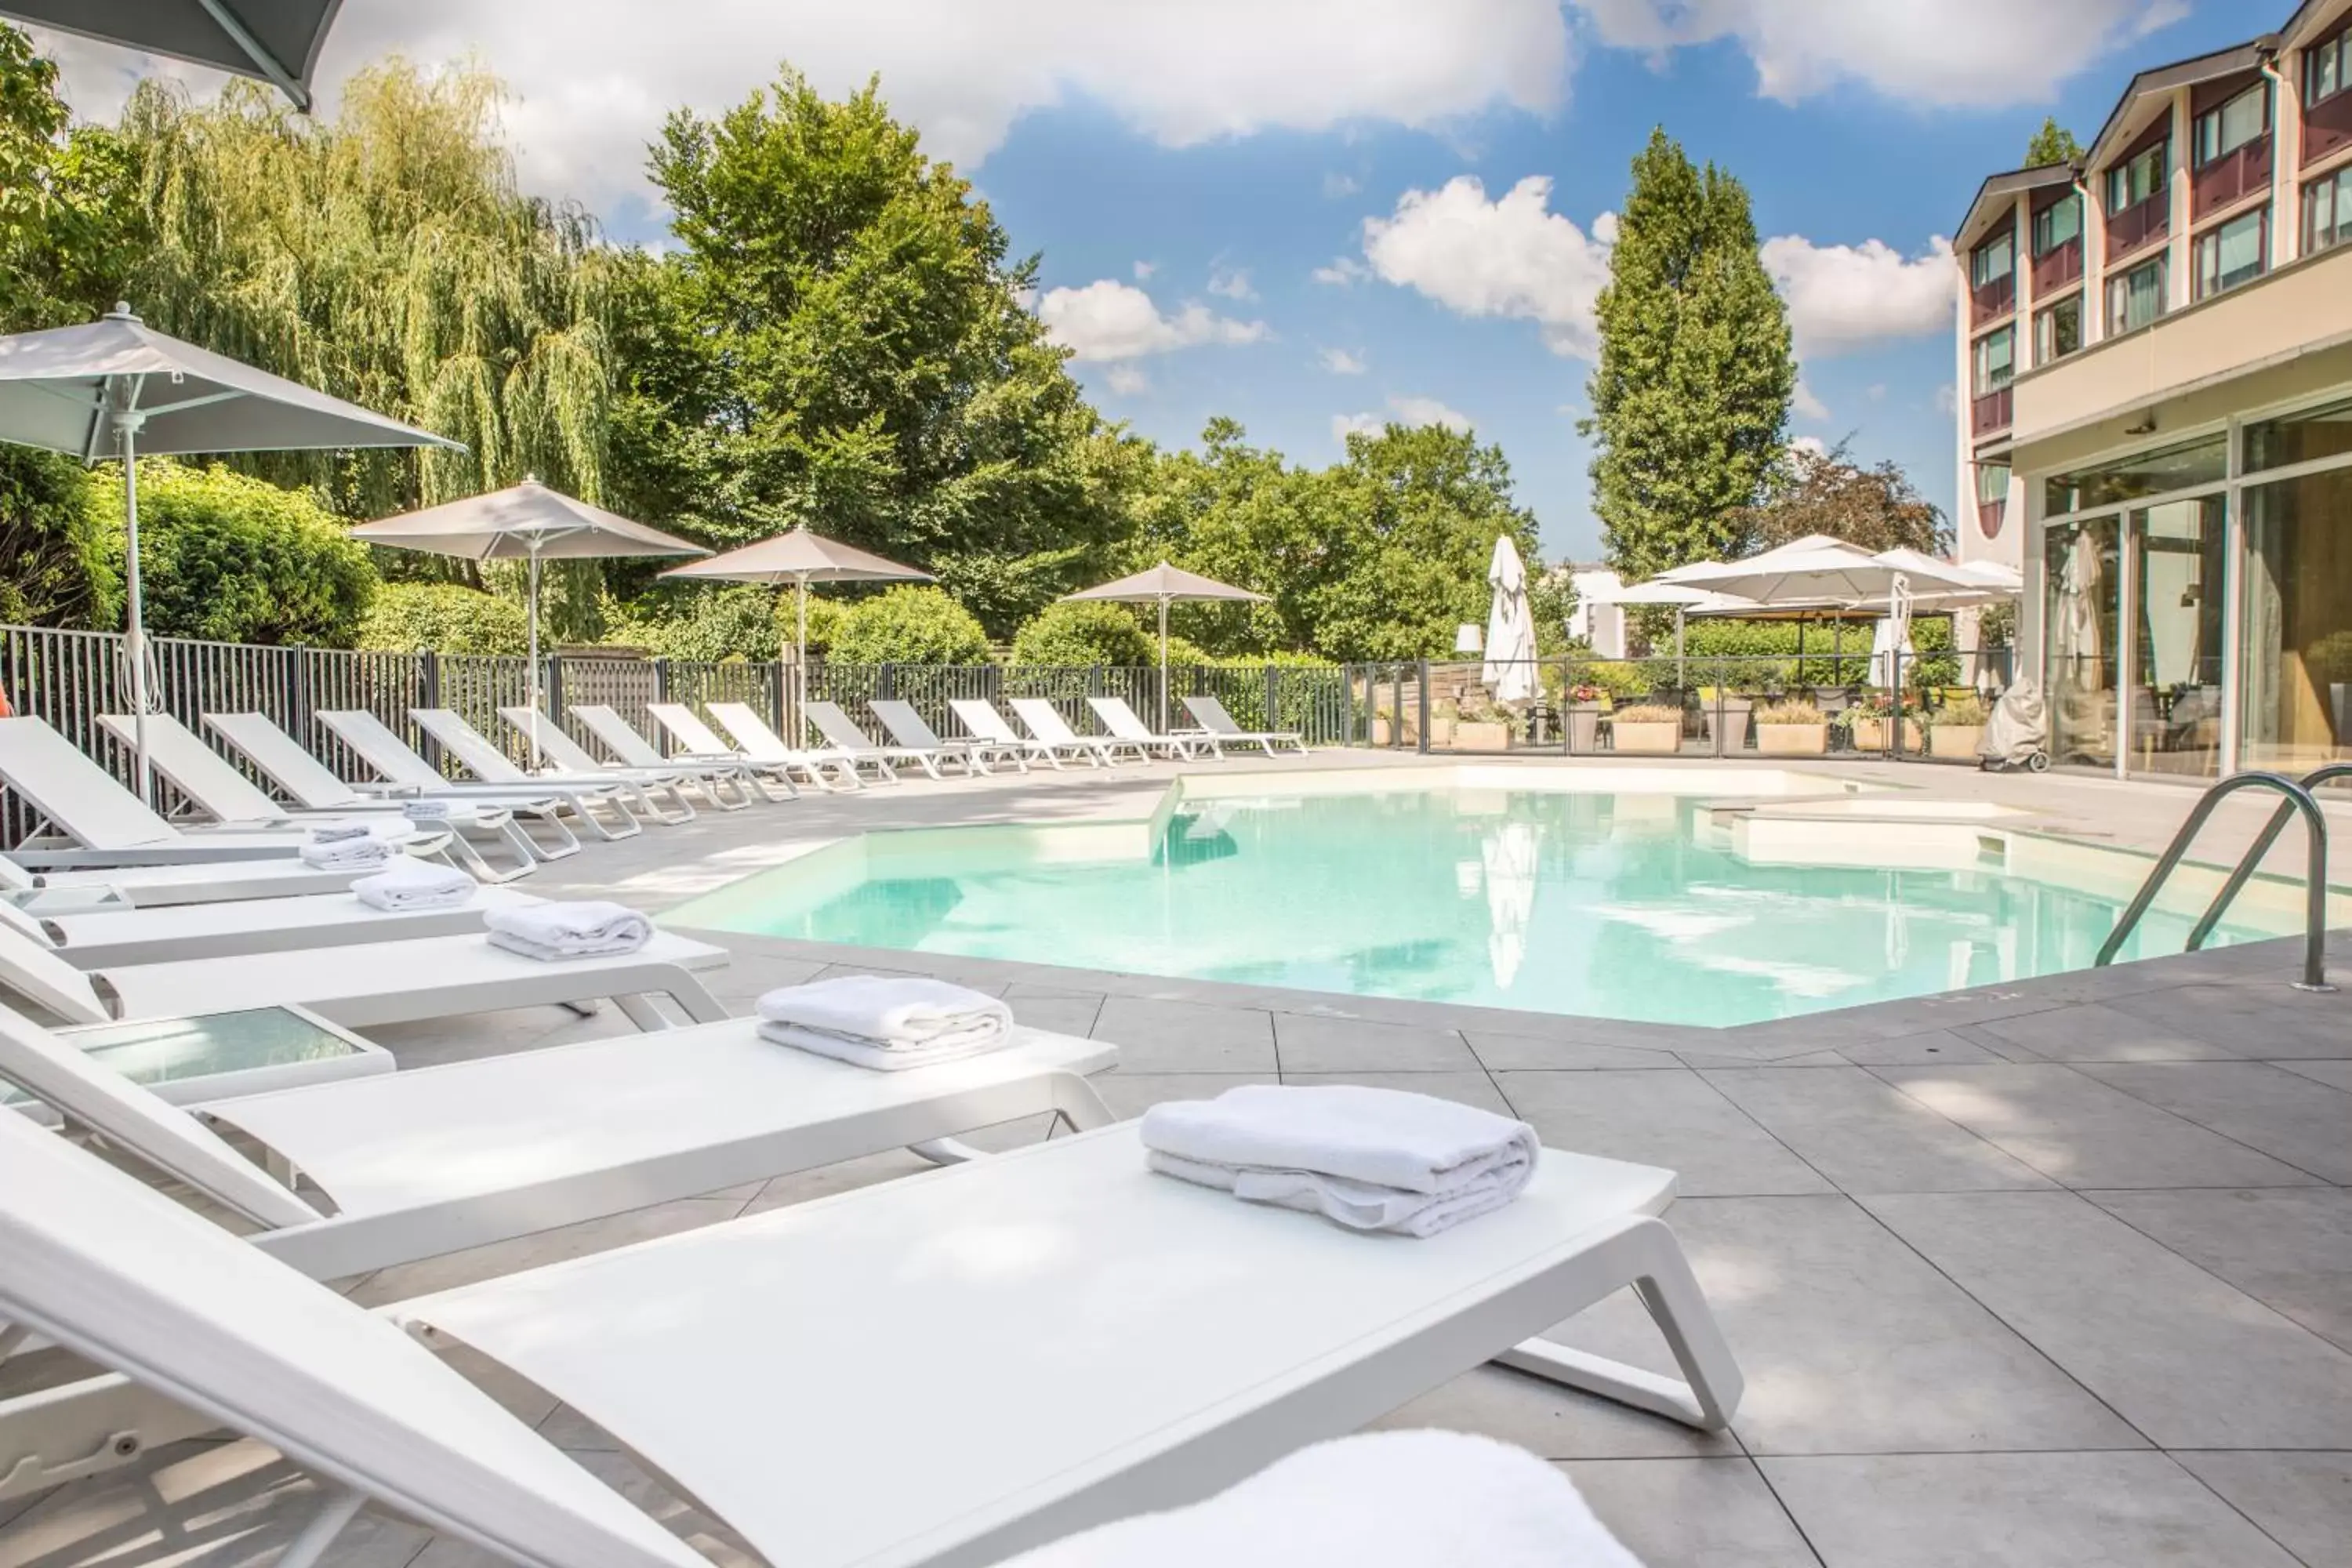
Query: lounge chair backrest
x=468 y=745
x=283 y=758
x=1212 y=716
x=201 y=773
x=1119 y=718
x=838 y=727
x=81 y=797
x=750 y=731
x=56 y=1072
x=620 y=737
x=1045 y=720
x=109 y=1267
x=381 y=750
x=906 y=725
x=14 y=878
x=30 y=966
x=685 y=726
x=553 y=744
x=982 y=719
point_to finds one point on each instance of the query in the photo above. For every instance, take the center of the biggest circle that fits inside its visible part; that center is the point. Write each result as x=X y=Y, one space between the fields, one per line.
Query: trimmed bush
x=443 y=617
x=908 y=626
x=1065 y=634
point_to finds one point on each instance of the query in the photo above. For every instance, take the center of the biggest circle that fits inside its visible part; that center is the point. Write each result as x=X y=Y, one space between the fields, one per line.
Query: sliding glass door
x=2178 y=548
x=2298 y=621
x=2082 y=560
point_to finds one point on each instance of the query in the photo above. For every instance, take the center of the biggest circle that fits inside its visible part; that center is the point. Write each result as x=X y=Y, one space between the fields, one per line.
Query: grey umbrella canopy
x=800 y=558
x=275 y=40
x=525 y=522
x=1164 y=584
x=114 y=388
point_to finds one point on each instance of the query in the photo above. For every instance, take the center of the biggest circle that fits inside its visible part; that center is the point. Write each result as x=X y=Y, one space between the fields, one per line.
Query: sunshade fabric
x=1164 y=582
x=503 y=524
x=1509 y=673
x=799 y=557
x=275 y=40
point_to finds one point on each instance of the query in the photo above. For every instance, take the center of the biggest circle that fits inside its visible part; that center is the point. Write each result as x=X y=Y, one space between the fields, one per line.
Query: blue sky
x=1187 y=170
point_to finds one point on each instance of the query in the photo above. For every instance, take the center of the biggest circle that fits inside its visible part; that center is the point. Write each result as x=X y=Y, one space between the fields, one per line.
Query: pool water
x=1614 y=906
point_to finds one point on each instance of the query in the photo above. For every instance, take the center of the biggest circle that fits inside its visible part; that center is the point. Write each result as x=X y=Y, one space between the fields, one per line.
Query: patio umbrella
x=1512 y=858
x=1163 y=585
x=1687 y=602
x=1818 y=568
x=800 y=558
x=525 y=522
x=113 y=388
x=275 y=40
x=1510 y=670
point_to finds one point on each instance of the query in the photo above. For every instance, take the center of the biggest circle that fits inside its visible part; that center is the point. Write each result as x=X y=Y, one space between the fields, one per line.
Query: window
x=2187 y=466
x=2058 y=224
x=2137 y=298
x=2327 y=211
x=2303 y=437
x=1996 y=360
x=2139 y=177
x=1993 y=260
x=2233 y=253
x=2327 y=68
x=2058 y=331
x=1992 y=483
x=2245 y=117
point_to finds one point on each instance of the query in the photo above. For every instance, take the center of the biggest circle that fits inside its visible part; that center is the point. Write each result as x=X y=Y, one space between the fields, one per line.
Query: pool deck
x=2053 y=1273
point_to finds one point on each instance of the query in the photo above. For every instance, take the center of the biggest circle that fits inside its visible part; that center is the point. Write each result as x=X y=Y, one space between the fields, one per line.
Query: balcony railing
x=2228 y=177
x=2136 y=225
x=2326 y=128
x=1997 y=297
x=1991 y=412
x=2056 y=267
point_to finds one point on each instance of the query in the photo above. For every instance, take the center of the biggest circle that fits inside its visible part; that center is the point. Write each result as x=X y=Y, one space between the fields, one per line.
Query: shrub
x=704 y=625
x=1087 y=633
x=236 y=559
x=1788 y=713
x=56 y=567
x=1648 y=713
x=1962 y=713
x=909 y=626
x=443 y=617
x=1616 y=678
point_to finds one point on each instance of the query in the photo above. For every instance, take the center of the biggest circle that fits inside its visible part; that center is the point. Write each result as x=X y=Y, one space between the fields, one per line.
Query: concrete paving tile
x=1303 y=1043
x=2083 y=1133
x=2335 y=1074
x=2303 y=1502
x=1867 y=1137
x=2288 y=1248
x=2187 y=1359
x=2281 y=1114
x=1671 y=1119
x=2095 y=1032
x=1068 y=1014
x=2258 y=1020
x=1469 y=1088
x=2017 y=1511
x=1186 y=1037
x=1503 y=1052
x=1548 y=1420
x=1935 y=1047
x=1718 y=1513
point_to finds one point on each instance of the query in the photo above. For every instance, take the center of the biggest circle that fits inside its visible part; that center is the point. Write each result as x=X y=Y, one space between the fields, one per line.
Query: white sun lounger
x=405 y=771
x=569 y=756
x=908 y=728
x=113 y=826
x=761 y=743
x=1124 y=723
x=621 y=738
x=842 y=734
x=987 y=724
x=780 y=761
x=207 y=778
x=1213 y=717
x=1046 y=722
x=106 y=938
x=492 y=767
x=1143 y=1343
x=160 y=887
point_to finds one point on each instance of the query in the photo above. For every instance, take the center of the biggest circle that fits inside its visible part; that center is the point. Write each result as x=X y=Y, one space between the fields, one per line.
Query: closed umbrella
x=525 y=522
x=799 y=558
x=114 y=388
x=1510 y=668
x=1163 y=585
x=275 y=40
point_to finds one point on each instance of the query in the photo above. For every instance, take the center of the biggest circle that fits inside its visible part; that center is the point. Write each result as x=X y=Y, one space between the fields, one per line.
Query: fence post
x=1273 y=697
x=885 y=681
x=554 y=685
x=1421 y=730
x=661 y=679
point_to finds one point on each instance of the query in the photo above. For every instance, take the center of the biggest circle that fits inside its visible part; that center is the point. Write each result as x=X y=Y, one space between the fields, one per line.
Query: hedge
x=443 y=617
x=908 y=626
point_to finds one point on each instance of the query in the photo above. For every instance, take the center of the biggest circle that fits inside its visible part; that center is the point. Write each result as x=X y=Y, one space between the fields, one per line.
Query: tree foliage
x=55 y=568
x=2053 y=143
x=68 y=224
x=1690 y=398
x=1085 y=633
x=909 y=626
x=1874 y=507
x=443 y=617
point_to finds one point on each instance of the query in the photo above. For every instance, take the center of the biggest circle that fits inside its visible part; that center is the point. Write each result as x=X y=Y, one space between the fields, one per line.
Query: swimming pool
x=1638 y=906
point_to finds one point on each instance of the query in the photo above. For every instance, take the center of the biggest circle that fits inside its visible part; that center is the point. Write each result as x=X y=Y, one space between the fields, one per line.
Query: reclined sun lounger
x=1213 y=717
x=481 y=757
x=113 y=826
x=568 y=755
x=764 y=745
x=842 y=734
x=778 y=761
x=987 y=724
x=908 y=728
x=1124 y=723
x=788 y=1372
x=1046 y=722
x=405 y=771
x=99 y=937
x=621 y=738
x=207 y=778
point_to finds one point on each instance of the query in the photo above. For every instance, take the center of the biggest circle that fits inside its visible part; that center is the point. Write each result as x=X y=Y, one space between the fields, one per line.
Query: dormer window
x=2327 y=68
x=1993 y=260
x=2139 y=177
x=2059 y=223
x=2222 y=131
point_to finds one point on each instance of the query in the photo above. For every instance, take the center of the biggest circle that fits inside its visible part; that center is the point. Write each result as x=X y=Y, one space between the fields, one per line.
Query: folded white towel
x=411 y=884
x=340 y=832
x=1371 y=1159
x=591 y=929
x=1381 y=1500
x=892 y=1010
x=426 y=810
x=859 y=1051
x=349 y=854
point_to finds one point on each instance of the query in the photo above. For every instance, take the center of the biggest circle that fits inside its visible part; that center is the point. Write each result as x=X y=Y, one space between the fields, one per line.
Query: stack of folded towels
x=887 y=1021
x=432 y=811
x=415 y=885
x=1370 y=1158
x=351 y=846
x=591 y=929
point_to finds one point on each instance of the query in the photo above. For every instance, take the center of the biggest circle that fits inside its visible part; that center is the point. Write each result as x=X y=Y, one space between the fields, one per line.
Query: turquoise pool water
x=1615 y=906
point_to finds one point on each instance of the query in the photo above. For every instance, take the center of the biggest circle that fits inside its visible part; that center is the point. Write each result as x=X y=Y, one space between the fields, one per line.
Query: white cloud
x=1337 y=186
x=1340 y=362
x=1109 y=320
x=1814 y=444
x=1843 y=296
x=592 y=79
x=1947 y=399
x=1979 y=55
x=1510 y=256
x=1144 y=269
x=1127 y=381
x=1231 y=283
x=1876 y=392
x=1808 y=405
x=1402 y=410
x=1344 y=272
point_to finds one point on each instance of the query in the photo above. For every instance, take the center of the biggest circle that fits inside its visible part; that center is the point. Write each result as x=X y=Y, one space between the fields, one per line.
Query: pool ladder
x=2299 y=798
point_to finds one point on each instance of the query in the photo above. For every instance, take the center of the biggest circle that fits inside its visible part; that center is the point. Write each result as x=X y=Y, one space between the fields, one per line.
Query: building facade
x=2155 y=412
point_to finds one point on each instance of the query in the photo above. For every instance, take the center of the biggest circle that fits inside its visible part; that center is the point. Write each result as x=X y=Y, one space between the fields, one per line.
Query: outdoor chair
x=909 y=729
x=751 y=732
x=842 y=734
x=621 y=738
x=1212 y=716
x=569 y=756
x=480 y=756
x=987 y=724
x=405 y=771
x=1124 y=723
x=165 y=886
x=1046 y=722
x=687 y=728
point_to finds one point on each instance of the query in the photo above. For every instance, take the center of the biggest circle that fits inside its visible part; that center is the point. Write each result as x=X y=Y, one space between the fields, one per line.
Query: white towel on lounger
x=361 y=854
x=410 y=884
x=860 y=1052
x=891 y=1011
x=426 y=810
x=590 y=929
x=341 y=832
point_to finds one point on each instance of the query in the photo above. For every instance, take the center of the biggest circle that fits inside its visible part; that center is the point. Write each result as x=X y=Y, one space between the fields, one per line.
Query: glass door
x=2081 y=626
x=2178 y=548
x=2297 y=712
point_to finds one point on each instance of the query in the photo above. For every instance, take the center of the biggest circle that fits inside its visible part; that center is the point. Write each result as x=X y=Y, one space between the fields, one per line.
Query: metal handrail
x=2262 y=847
x=2298 y=799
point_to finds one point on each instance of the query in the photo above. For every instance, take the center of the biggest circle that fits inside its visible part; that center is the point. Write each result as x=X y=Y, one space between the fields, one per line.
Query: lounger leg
x=676 y=795
x=341 y=1507
x=1708 y=1394
x=947 y=1151
x=463 y=853
x=567 y=843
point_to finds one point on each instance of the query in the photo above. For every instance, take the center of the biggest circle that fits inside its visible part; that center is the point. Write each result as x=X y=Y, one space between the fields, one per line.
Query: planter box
x=1648 y=740
x=1870 y=735
x=1792 y=740
x=1381 y=731
x=1956 y=741
x=1584 y=727
x=1476 y=737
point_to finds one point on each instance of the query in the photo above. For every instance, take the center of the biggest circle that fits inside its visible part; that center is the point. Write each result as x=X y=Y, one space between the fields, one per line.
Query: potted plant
x=1731 y=711
x=1958 y=727
x=1585 y=706
x=1867 y=721
x=2328 y=662
x=1484 y=727
x=1648 y=728
x=1791 y=729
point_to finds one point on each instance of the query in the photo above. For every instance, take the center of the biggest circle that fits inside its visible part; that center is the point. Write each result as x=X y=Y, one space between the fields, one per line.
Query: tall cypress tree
x=1690 y=399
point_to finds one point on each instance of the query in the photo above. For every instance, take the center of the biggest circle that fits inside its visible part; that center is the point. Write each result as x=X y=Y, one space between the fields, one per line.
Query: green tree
x=443 y=617
x=1690 y=398
x=2053 y=143
x=908 y=626
x=68 y=220
x=1827 y=492
x=1082 y=634
x=55 y=568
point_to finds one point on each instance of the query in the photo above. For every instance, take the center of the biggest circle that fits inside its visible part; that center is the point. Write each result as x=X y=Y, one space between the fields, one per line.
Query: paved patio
x=2057 y=1273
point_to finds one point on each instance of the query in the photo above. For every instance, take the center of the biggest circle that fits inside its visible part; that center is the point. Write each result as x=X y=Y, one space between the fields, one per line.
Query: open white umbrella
x=1687 y=602
x=275 y=40
x=1512 y=858
x=114 y=388
x=525 y=522
x=799 y=558
x=1164 y=584
x=1510 y=668
x=1818 y=569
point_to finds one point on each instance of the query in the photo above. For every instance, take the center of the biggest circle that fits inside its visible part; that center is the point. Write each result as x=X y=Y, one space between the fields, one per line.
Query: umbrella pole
x=1682 y=676
x=535 y=655
x=1163 y=664
x=800 y=661
x=134 y=641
